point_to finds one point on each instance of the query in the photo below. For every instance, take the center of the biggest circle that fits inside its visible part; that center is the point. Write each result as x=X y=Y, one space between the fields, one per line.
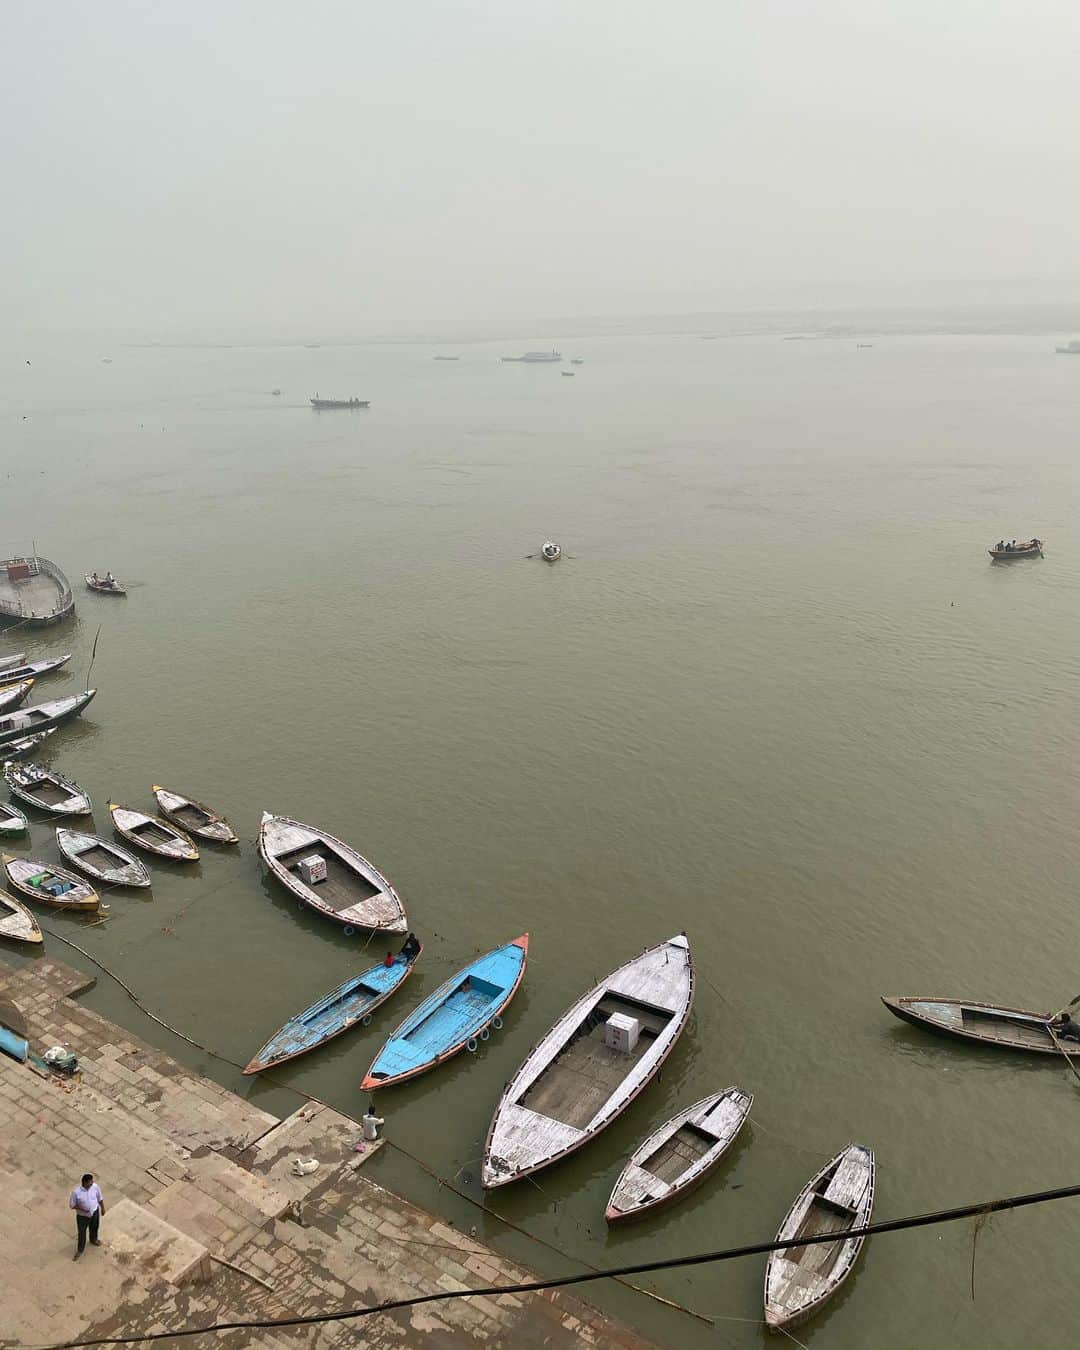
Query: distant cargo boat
x=446 y=358
x=321 y=403
x=34 y=591
x=1073 y=349
x=41 y=716
x=537 y=358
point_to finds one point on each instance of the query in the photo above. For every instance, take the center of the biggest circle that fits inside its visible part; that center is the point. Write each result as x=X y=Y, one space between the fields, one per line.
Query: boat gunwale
x=896 y=1004
x=587 y=1135
x=779 y=1322
x=129 y=858
x=254 y=1065
x=370 y=1085
x=202 y=832
x=305 y=894
x=168 y=827
x=614 y=1215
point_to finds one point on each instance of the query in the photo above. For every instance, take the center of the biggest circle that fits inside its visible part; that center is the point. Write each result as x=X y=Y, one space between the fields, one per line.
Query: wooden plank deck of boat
x=680 y=1152
x=342 y=888
x=578 y=1082
x=40 y=594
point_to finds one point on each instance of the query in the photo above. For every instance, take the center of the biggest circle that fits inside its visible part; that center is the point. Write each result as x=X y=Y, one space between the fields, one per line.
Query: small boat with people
x=16 y=921
x=102 y=860
x=11 y=695
x=46 y=789
x=106 y=585
x=153 y=834
x=50 y=884
x=31 y=670
x=322 y=404
x=459 y=1014
x=12 y=820
x=679 y=1155
x=194 y=817
x=601 y=1053
x=988 y=1023
x=349 y=1005
x=1023 y=548
x=329 y=876
x=799 y=1280
x=23 y=746
x=551 y=552
x=42 y=716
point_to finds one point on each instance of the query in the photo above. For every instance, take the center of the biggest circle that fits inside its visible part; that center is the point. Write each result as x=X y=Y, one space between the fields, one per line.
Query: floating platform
x=34 y=591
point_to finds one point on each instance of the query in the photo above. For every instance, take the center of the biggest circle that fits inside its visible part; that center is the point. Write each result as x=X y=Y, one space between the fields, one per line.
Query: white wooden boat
x=16 y=921
x=355 y=893
x=800 y=1279
x=103 y=585
x=11 y=695
x=679 y=1155
x=30 y=670
x=12 y=820
x=193 y=816
x=102 y=860
x=41 y=716
x=49 y=884
x=47 y=790
x=23 y=746
x=575 y=1082
x=154 y=835
x=16 y=659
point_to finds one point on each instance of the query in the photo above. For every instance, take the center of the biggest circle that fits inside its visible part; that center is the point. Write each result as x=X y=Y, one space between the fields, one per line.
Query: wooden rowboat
x=576 y=1081
x=462 y=1009
x=350 y=1003
x=153 y=834
x=988 y=1023
x=1029 y=549
x=23 y=746
x=43 y=882
x=42 y=716
x=800 y=1279
x=102 y=860
x=194 y=817
x=679 y=1155
x=16 y=921
x=47 y=790
x=102 y=586
x=11 y=695
x=12 y=820
x=15 y=659
x=355 y=893
x=32 y=669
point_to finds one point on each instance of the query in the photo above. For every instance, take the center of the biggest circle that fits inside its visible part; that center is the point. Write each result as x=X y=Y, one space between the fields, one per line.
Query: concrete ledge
x=160 y=1250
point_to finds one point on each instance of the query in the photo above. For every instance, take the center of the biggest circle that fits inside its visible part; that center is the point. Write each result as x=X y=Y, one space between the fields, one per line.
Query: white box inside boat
x=621 y=1033
x=312 y=869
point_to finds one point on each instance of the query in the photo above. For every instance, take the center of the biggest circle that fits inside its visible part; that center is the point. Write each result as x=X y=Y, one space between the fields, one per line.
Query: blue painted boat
x=453 y=1017
x=13 y=1045
x=350 y=1003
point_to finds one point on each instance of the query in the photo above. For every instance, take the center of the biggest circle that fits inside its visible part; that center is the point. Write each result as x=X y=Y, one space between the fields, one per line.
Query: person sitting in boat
x=410 y=947
x=389 y=959
x=1065 y=1028
x=1000 y=546
x=94 y=576
x=110 y=580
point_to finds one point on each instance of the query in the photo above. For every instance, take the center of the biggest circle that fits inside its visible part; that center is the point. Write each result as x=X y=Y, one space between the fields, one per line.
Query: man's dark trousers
x=87 y=1223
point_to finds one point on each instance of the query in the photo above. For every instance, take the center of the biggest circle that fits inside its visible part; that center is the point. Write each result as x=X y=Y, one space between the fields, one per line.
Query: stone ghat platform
x=205 y=1221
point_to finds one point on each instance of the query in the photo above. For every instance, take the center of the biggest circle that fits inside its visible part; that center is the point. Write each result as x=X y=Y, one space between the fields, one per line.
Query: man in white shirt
x=89 y=1205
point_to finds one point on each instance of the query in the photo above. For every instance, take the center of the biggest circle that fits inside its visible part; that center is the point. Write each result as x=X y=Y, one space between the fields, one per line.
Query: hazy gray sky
x=273 y=166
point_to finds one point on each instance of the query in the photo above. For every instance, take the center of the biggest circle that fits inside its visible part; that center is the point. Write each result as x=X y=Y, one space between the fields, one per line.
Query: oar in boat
x=1057 y=1042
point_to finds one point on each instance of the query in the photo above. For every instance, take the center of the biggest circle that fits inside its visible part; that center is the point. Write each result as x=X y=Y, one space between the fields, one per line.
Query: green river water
x=775 y=694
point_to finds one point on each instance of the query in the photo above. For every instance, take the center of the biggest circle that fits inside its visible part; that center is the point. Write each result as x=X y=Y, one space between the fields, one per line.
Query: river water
x=775 y=694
